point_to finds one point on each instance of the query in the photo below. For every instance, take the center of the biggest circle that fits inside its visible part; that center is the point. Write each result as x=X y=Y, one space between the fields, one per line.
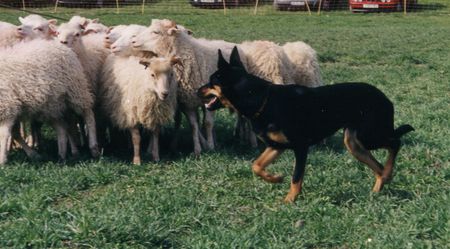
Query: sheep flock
x=104 y=87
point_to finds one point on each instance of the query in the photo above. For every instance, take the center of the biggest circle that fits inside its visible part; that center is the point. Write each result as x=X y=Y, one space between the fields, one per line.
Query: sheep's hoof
x=95 y=152
x=137 y=161
x=61 y=160
x=35 y=156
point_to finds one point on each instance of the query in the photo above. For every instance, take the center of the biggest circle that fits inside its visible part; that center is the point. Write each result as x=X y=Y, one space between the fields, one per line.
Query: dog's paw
x=275 y=178
x=290 y=199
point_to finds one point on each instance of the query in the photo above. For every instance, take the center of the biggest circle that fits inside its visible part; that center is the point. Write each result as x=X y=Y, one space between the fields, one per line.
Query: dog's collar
x=261 y=109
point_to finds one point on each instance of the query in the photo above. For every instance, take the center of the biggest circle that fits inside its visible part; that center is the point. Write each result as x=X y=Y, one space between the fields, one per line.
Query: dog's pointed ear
x=235 y=59
x=222 y=63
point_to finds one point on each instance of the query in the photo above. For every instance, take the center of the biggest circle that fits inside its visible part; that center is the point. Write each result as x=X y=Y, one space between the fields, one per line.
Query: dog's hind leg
x=356 y=148
x=266 y=158
x=297 y=176
x=393 y=149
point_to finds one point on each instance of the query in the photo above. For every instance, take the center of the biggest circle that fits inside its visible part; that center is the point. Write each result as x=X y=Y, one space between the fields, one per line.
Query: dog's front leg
x=266 y=158
x=297 y=176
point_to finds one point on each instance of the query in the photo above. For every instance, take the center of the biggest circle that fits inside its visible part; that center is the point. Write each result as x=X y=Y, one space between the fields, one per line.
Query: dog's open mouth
x=210 y=101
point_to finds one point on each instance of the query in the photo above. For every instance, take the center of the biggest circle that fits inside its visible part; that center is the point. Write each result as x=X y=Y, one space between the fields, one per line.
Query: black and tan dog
x=296 y=117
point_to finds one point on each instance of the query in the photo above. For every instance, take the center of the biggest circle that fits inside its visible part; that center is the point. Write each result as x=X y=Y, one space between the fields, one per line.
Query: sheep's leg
x=92 y=132
x=136 y=138
x=5 y=135
x=73 y=136
x=193 y=121
x=9 y=144
x=209 y=127
x=153 y=147
x=35 y=127
x=177 y=124
x=17 y=135
x=237 y=126
x=61 y=134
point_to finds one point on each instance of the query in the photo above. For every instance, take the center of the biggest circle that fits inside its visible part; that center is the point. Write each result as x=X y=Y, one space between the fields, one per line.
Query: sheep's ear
x=52 y=21
x=109 y=29
x=96 y=20
x=235 y=59
x=222 y=63
x=175 y=60
x=89 y=31
x=21 y=20
x=190 y=32
x=52 y=31
x=145 y=63
x=173 y=30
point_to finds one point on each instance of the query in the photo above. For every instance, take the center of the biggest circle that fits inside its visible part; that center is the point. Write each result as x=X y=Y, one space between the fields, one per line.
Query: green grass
x=215 y=201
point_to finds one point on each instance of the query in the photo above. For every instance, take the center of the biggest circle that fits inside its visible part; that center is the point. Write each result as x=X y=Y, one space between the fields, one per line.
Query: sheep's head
x=95 y=27
x=79 y=20
x=112 y=34
x=69 y=34
x=159 y=37
x=160 y=72
x=35 y=26
x=123 y=46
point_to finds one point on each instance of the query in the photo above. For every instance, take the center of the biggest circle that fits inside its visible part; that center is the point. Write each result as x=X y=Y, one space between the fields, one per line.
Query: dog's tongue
x=209 y=104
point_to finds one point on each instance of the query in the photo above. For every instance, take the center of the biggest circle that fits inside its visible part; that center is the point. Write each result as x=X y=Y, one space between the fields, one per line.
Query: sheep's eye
x=153 y=75
x=77 y=34
x=156 y=32
x=40 y=29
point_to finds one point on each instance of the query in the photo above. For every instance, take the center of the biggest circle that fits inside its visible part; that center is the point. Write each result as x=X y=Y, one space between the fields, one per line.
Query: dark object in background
x=28 y=3
x=218 y=4
x=296 y=5
x=95 y=3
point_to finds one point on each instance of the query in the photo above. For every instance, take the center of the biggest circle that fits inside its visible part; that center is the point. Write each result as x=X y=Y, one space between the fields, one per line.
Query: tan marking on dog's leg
x=355 y=147
x=266 y=158
x=136 y=139
x=294 y=191
x=277 y=136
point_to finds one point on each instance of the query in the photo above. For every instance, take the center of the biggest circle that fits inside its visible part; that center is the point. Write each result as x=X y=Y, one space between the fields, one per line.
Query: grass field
x=215 y=201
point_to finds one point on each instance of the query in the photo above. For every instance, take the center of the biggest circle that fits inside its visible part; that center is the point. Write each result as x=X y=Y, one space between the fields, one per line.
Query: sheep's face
x=112 y=35
x=160 y=72
x=79 y=20
x=69 y=34
x=35 y=26
x=159 y=37
x=94 y=27
x=123 y=45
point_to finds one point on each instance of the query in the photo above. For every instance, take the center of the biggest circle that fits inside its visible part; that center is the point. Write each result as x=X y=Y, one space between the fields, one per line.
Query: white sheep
x=35 y=26
x=42 y=80
x=135 y=96
x=198 y=62
x=113 y=34
x=90 y=51
x=306 y=69
x=9 y=34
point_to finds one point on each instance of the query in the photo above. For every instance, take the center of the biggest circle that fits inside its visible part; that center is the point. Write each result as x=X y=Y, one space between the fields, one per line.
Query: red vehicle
x=379 y=5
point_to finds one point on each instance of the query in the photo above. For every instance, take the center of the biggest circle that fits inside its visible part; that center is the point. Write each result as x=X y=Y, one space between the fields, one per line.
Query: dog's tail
x=402 y=130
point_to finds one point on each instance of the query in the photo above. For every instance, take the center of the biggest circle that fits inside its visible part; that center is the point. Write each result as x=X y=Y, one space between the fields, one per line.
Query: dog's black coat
x=304 y=116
